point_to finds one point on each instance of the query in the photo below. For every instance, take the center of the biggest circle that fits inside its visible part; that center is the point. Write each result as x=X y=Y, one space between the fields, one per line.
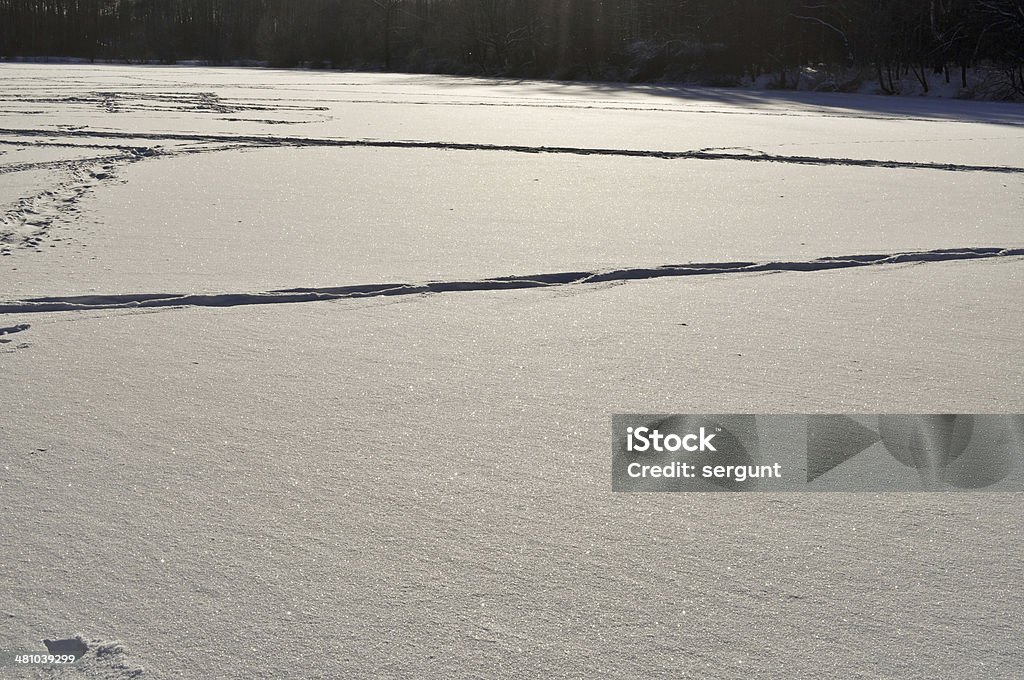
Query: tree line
x=637 y=40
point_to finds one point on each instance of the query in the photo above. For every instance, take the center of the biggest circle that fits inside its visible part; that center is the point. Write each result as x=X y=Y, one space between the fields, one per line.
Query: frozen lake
x=416 y=483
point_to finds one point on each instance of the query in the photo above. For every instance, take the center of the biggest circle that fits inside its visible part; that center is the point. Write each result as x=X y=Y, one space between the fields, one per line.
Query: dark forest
x=710 y=41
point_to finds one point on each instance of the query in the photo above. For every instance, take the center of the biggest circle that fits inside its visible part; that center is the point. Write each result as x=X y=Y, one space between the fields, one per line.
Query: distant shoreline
x=987 y=83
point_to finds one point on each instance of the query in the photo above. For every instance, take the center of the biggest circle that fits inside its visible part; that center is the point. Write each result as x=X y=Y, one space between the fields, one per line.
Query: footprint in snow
x=10 y=330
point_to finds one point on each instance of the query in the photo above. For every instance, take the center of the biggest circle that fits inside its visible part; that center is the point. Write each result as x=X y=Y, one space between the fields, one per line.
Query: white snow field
x=311 y=374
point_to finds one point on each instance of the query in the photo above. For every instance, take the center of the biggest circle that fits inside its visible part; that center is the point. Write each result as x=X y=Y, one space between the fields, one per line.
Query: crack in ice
x=554 y=279
x=699 y=154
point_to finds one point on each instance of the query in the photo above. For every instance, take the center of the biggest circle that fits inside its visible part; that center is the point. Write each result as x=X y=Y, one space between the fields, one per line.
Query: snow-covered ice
x=418 y=485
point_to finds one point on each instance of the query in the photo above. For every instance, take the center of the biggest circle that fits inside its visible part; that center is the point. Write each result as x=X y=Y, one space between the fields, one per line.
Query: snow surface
x=418 y=486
